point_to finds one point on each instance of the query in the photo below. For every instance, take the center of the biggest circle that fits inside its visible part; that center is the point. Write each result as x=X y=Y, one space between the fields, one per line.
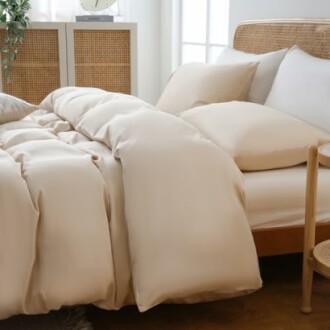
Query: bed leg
x=307 y=284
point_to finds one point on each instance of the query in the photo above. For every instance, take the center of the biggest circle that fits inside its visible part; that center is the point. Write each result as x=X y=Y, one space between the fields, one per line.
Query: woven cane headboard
x=263 y=36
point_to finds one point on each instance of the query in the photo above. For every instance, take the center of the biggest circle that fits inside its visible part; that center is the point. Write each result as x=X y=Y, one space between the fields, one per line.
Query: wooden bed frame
x=263 y=36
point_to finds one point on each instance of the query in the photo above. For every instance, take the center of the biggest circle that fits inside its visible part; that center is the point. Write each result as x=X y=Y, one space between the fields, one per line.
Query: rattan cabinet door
x=102 y=55
x=41 y=64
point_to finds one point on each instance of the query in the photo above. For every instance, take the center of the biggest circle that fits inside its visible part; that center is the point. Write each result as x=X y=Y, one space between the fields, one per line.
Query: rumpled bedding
x=106 y=200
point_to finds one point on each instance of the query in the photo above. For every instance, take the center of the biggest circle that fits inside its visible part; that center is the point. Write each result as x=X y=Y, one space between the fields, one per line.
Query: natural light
x=204 y=29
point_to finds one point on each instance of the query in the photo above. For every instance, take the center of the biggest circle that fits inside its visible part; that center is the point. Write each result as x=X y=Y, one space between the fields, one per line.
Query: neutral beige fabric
x=95 y=223
x=17 y=237
x=196 y=84
x=256 y=136
x=301 y=88
x=265 y=74
x=54 y=220
x=12 y=108
x=276 y=198
x=173 y=253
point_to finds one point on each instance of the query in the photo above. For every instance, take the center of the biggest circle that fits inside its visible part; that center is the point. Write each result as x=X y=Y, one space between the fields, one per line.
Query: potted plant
x=14 y=14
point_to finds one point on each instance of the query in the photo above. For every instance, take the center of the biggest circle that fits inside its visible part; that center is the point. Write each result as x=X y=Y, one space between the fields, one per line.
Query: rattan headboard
x=263 y=36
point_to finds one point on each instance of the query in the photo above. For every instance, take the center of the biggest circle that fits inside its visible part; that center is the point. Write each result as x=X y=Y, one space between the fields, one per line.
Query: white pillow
x=265 y=74
x=302 y=88
x=255 y=136
x=13 y=108
x=195 y=84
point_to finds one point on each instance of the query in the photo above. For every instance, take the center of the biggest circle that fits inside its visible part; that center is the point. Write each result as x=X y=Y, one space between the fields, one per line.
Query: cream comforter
x=105 y=200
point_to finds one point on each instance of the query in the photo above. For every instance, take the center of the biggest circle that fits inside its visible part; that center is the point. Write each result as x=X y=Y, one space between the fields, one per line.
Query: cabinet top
x=80 y=25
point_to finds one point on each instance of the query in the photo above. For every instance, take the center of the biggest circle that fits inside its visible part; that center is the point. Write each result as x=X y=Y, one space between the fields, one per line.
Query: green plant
x=14 y=14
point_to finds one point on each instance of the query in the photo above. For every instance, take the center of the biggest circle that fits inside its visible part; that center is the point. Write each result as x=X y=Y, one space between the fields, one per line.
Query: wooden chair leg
x=309 y=234
x=306 y=306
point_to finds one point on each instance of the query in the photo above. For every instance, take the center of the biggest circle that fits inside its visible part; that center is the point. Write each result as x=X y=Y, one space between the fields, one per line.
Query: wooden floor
x=274 y=307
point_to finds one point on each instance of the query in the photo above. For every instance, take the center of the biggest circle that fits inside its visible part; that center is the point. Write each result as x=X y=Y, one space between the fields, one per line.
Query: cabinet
x=55 y=55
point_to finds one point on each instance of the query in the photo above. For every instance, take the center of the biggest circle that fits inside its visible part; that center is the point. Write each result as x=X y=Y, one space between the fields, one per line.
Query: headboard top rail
x=262 y=36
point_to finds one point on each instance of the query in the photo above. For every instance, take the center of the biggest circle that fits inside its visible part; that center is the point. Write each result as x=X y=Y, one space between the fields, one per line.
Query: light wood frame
x=313 y=36
x=316 y=256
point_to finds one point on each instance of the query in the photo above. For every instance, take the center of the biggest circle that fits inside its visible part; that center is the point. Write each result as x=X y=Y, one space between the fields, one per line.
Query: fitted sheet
x=276 y=198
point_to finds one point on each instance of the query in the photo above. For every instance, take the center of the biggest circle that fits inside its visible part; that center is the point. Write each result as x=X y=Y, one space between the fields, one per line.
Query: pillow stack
x=293 y=92
x=235 y=76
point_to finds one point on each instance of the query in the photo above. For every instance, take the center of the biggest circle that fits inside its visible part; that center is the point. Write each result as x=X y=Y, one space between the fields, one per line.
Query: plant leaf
x=15 y=14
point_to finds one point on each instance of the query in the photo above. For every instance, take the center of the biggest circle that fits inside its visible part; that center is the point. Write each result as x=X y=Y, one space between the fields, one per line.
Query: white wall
x=147 y=14
x=241 y=10
x=169 y=39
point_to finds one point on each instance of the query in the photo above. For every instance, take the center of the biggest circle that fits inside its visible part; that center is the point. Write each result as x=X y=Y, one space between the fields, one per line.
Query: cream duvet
x=106 y=200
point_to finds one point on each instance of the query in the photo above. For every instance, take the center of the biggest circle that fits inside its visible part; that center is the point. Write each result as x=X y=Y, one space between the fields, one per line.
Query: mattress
x=276 y=198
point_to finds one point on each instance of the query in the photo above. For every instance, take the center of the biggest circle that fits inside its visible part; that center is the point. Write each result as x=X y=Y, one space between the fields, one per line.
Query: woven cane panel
x=102 y=59
x=262 y=37
x=32 y=83
x=36 y=70
x=114 y=79
x=322 y=253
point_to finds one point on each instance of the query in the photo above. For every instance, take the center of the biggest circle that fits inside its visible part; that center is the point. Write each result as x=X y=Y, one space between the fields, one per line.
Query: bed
x=121 y=201
x=263 y=36
x=105 y=199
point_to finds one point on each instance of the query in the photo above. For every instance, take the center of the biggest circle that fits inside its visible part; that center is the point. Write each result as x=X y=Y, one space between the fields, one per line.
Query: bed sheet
x=276 y=198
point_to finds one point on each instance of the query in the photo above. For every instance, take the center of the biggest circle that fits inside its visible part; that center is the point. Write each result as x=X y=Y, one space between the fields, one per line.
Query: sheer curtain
x=66 y=10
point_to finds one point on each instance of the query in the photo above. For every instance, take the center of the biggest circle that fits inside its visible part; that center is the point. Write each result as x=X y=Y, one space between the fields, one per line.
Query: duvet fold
x=118 y=203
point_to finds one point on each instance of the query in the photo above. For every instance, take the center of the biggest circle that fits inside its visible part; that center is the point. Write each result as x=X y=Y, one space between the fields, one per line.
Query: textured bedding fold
x=183 y=217
x=54 y=216
x=116 y=196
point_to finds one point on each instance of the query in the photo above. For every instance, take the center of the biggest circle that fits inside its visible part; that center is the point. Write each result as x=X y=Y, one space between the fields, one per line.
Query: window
x=203 y=30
